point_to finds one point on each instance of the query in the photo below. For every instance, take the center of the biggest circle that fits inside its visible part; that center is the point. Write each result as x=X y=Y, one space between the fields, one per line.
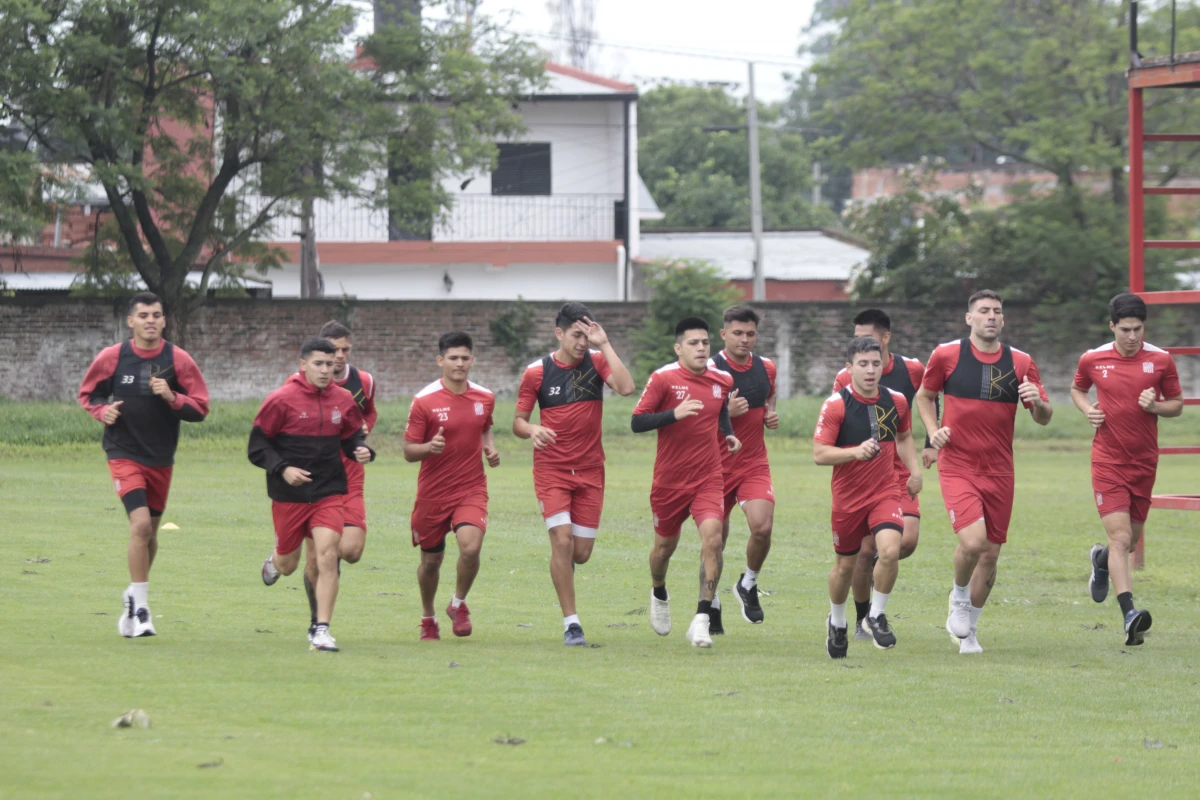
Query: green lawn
x=1055 y=706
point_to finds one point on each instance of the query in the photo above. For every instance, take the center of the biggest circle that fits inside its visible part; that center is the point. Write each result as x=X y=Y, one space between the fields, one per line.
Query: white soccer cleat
x=660 y=615
x=269 y=573
x=969 y=644
x=697 y=632
x=143 y=623
x=127 y=621
x=322 y=640
x=958 y=624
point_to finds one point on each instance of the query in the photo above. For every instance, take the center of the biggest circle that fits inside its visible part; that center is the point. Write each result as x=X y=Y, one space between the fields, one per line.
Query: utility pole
x=760 y=278
x=816 y=190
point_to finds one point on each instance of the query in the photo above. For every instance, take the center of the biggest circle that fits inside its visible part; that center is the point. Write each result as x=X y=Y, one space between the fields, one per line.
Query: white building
x=552 y=222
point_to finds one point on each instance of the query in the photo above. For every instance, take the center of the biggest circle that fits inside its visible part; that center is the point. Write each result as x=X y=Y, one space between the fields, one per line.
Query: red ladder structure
x=1180 y=71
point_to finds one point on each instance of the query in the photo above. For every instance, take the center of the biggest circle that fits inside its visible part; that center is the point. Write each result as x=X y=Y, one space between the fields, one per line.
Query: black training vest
x=899 y=379
x=148 y=429
x=753 y=384
x=563 y=386
x=974 y=380
x=863 y=421
x=354 y=386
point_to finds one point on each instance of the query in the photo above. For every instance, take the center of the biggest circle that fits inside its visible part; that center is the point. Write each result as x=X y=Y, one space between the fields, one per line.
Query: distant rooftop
x=788 y=255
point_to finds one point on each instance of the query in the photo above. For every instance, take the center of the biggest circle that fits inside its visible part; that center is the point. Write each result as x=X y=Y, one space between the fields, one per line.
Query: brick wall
x=248 y=347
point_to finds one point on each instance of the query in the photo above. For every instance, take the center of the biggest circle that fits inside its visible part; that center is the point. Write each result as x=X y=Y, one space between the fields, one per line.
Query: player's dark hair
x=982 y=294
x=334 y=330
x=317 y=346
x=571 y=313
x=742 y=314
x=453 y=339
x=875 y=317
x=863 y=344
x=1126 y=305
x=690 y=324
x=144 y=299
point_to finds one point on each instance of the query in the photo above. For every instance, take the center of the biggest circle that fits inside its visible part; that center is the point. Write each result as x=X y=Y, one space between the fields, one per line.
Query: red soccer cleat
x=461 y=617
x=429 y=630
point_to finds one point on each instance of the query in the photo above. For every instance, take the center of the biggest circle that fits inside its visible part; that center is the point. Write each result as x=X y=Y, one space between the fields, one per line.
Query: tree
x=684 y=288
x=574 y=26
x=694 y=157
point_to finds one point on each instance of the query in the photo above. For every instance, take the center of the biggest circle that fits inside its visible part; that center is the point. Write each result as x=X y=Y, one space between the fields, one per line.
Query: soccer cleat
x=1098 y=582
x=882 y=633
x=958 y=624
x=1137 y=622
x=312 y=629
x=748 y=599
x=715 y=628
x=269 y=573
x=573 y=636
x=860 y=633
x=836 y=643
x=969 y=645
x=460 y=618
x=429 y=629
x=128 y=620
x=698 y=632
x=660 y=615
x=143 y=623
x=323 y=640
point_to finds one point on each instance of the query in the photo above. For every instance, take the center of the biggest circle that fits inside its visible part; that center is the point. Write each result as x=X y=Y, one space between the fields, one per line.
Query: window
x=523 y=169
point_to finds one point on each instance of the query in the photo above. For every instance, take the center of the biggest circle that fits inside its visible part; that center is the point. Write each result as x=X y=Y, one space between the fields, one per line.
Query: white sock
x=569 y=621
x=962 y=593
x=975 y=612
x=716 y=602
x=878 y=604
x=749 y=579
x=837 y=613
x=139 y=595
x=455 y=602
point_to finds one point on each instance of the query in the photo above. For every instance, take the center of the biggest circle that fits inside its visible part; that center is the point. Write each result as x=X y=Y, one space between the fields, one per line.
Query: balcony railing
x=542 y=218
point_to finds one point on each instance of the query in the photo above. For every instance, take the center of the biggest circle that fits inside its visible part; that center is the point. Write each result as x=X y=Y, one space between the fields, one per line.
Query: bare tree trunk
x=310 y=278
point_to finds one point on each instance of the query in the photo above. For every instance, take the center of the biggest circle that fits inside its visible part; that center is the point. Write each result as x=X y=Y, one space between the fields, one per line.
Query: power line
x=719 y=55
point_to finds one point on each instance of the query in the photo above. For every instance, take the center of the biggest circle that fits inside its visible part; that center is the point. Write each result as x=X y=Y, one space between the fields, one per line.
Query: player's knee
x=469 y=551
x=583 y=550
x=352 y=554
x=889 y=552
x=908 y=547
x=844 y=565
x=432 y=561
x=141 y=529
x=761 y=530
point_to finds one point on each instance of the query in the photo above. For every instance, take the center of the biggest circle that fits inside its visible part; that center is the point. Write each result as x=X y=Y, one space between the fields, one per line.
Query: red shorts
x=970 y=498
x=851 y=527
x=911 y=506
x=294 y=522
x=154 y=482
x=571 y=497
x=431 y=521
x=356 y=507
x=1123 y=489
x=671 y=506
x=750 y=485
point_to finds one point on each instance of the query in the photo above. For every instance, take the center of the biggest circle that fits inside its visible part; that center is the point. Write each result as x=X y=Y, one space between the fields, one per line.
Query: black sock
x=324 y=625
x=704 y=607
x=1102 y=558
x=1126 y=601
x=311 y=591
x=862 y=609
x=660 y=592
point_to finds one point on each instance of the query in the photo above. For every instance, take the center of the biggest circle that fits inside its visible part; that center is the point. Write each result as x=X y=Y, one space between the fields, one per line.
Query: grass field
x=1055 y=706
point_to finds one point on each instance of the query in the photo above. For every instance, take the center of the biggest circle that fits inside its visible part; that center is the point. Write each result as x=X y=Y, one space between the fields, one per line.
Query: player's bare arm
x=419 y=451
x=829 y=455
x=1031 y=394
x=928 y=411
x=620 y=381
x=542 y=436
x=1171 y=407
x=1093 y=412
x=907 y=450
x=489 y=448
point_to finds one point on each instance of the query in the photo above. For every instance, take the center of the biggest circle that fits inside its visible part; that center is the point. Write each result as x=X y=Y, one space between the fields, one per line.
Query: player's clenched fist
x=688 y=408
x=737 y=405
x=160 y=387
x=1147 y=399
x=915 y=483
x=940 y=438
x=1096 y=416
x=113 y=413
x=867 y=450
x=362 y=455
x=929 y=457
x=733 y=443
x=294 y=476
x=438 y=443
x=492 y=455
x=1030 y=393
x=541 y=437
x=771 y=419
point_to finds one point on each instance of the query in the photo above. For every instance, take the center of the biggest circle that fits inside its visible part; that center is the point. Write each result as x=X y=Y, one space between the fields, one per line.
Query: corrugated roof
x=788 y=256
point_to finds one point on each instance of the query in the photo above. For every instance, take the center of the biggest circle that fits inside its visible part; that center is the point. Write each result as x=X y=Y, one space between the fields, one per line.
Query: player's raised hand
x=438 y=443
x=492 y=455
x=595 y=334
x=737 y=405
x=733 y=443
x=541 y=437
x=1030 y=393
x=771 y=419
x=688 y=408
x=294 y=476
x=940 y=438
x=929 y=457
x=160 y=387
x=1146 y=400
x=1095 y=414
x=867 y=450
x=362 y=455
x=112 y=413
x=915 y=482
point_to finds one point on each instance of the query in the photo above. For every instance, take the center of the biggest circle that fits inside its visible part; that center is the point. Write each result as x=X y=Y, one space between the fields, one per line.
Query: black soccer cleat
x=715 y=628
x=836 y=643
x=1137 y=622
x=573 y=636
x=1098 y=582
x=748 y=599
x=880 y=631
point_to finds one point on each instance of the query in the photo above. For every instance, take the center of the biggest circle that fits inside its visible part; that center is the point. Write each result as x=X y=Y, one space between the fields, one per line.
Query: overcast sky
x=763 y=29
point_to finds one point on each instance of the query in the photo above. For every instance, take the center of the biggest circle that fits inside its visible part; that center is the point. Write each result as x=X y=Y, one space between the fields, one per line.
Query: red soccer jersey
x=689 y=450
x=846 y=421
x=458 y=470
x=980 y=408
x=1129 y=435
x=906 y=382
x=572 y=405
x=748 y=428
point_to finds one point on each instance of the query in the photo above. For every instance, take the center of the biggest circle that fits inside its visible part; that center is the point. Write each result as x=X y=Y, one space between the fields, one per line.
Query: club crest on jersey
x=716 y=390
x=1148 y=366
x=335 y=416
x=479 y=409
